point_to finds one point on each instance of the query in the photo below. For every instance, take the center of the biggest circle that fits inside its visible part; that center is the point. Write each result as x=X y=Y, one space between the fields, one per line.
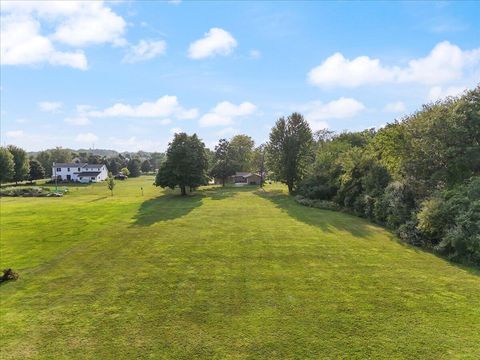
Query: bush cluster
x=419 y=176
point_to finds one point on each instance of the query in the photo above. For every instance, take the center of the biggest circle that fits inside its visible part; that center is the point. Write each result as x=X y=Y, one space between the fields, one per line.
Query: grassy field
x=233 y=273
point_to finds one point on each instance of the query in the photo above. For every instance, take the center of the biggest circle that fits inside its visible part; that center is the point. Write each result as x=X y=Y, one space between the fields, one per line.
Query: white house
x=79 y=172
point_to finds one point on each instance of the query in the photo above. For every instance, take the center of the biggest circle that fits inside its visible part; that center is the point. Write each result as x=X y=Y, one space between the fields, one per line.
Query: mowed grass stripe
x=226 y=273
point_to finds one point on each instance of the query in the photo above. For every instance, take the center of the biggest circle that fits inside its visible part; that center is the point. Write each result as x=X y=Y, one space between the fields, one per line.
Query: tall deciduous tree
x=45 y=158
x=223 y=166
x=241 y=151
x=21 y=166
x=290 y=149
x=146 y=166
x=134 y=167
x=7 y=165
x=185 y=164
x=258 y=162
x=36 y=170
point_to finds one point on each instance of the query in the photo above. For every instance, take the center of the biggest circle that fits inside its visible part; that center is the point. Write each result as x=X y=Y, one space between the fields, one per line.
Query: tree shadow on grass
x=171 y=205
x=166 y=207
x=326 y=220
x=224 y=192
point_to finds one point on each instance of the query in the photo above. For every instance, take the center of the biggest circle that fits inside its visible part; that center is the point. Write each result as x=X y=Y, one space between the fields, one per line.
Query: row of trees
x=418 y=176
x=15 y=165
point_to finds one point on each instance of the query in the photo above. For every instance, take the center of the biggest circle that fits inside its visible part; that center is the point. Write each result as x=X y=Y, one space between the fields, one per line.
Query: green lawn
x=231 y=273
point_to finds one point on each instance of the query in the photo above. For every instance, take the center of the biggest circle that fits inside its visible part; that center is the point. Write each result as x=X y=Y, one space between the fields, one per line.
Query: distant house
x=246 y=178
x=79 y=172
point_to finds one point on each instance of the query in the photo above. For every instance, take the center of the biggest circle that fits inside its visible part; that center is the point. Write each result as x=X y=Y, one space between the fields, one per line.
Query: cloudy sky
x=127 y=75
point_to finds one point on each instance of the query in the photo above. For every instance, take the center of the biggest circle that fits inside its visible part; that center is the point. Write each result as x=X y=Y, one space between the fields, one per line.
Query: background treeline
x=17 y=165
x=418 y=176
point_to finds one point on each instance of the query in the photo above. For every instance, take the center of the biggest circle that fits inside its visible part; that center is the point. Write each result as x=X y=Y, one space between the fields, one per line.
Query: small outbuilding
x=246 y=178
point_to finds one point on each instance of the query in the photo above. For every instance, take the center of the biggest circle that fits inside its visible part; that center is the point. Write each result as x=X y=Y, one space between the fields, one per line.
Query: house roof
x=245 y=174
x=76 y=165
x=69 y=164
x=89 y=173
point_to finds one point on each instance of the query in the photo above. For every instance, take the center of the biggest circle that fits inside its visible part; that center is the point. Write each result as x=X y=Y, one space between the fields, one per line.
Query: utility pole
x=56 y=179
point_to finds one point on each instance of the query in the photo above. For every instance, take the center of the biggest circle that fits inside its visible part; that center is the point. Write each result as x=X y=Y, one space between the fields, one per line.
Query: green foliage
x=7 y=165
x=289 y=151
x=36 y=170
x=451 y=221
x=146 y=166
x=133 y=167
x=111 y=184
x=21 y=166
x=185 y=165
x=223 y=165
x=385 y=175
x=241 y=151
x=125 y=171
x=48 y=157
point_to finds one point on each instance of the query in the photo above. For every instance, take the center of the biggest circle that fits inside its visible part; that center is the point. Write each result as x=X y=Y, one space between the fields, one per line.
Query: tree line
x=17 y=165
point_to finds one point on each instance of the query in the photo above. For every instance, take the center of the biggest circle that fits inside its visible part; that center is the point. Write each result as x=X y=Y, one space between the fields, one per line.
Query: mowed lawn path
x=234 y=273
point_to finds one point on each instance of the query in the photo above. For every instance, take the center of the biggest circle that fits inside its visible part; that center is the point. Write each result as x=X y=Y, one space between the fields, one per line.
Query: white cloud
x=78 y=121
x=215 y=42
x=437 y=92
x=225 y=112
x=49 y=106
x=339 y=71
x=395 y=107
x=22 y=44
x=86 y=138
x=74 y=23
x=446 y=62
x=317 y=112
x=175 y=130
x=14 y=134
x=93 y=23
x=145 y=50
x=164 y=106
x=174 y=2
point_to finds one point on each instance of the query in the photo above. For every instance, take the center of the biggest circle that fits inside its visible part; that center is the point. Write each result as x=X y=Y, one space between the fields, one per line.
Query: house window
x=78 y=169
x=68 y=169
x=59 y=169
x=93 y=178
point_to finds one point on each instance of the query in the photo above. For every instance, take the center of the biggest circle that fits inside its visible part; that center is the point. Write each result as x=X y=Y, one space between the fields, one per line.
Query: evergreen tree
x=36 y=170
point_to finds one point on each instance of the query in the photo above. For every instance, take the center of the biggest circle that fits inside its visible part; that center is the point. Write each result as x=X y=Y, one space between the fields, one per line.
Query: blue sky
x=126 y=75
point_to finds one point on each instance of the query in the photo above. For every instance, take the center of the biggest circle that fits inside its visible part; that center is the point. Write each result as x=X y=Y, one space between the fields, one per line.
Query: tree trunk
x=290 y=188
x=183 y=190
x=223 y=181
